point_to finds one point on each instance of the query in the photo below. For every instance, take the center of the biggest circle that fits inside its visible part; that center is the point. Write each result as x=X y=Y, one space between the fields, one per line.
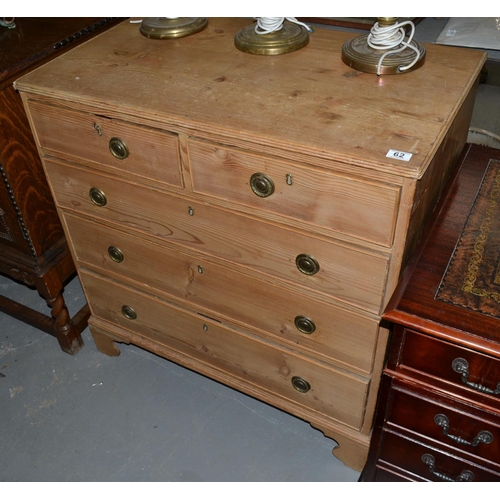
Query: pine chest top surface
x=306 y=101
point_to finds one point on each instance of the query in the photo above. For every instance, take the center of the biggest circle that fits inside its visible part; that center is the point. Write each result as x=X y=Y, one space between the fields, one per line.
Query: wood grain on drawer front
x=419 y=415
x=346 y=272
x=153 y=153
x=338 y=335
x=363 y=209
x=407 y=454
x=437 y=358
x=334 y=393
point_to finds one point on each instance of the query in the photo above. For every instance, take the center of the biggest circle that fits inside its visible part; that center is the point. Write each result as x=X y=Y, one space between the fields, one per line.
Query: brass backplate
x=177 y=27
x=289 y=38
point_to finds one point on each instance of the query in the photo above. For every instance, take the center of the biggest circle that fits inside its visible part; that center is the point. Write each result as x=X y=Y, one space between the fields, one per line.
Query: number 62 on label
x=398 y=155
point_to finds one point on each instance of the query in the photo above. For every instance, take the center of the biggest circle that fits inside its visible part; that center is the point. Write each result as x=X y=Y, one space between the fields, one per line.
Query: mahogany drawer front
x=322 y=329
x=150 y=153
x=345 y=272
x=382 y=475
x=449 y=424
x=428 y=463
x=331 y=392
x=450 y=363
x=362 y=209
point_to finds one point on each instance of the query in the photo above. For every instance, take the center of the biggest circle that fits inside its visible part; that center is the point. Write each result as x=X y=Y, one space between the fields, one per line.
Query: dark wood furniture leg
x=59 y=324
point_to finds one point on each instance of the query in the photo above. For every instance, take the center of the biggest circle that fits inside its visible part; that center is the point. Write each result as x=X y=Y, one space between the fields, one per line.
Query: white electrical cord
x=266 y=25
x=389 y=37
x=8 y=22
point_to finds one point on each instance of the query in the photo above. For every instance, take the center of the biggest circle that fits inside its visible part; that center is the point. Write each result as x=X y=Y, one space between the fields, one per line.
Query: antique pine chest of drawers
x=238 y=214
x=438 y=415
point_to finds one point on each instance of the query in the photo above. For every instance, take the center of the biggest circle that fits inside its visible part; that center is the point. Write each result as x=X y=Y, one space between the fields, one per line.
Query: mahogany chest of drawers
x=33 y=248
x=438 y=415
x=238 y=214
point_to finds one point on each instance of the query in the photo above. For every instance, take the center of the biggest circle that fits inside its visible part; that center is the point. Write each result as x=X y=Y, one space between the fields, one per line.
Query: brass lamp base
x=289 y=38
x=165 y=28
x=357 y=54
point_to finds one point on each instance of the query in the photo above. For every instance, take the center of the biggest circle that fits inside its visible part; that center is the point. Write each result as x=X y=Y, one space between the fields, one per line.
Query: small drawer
x=139 y=150
x=321 y=329
x=276 y=371
x=359 y=208
x=452 y=424
x=468 y=369
x=327 y=267
x=430 y=464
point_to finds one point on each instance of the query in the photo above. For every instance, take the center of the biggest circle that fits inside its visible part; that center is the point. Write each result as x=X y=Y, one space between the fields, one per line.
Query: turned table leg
x=67 y=330
x=67 y=335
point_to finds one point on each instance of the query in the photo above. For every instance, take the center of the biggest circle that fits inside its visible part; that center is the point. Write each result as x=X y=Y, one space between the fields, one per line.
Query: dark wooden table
x=33 y=248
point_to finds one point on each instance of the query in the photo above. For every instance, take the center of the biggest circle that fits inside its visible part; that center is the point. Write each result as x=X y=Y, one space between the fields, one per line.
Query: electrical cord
x=389 y=37
x=8 y=22
x=266 y=25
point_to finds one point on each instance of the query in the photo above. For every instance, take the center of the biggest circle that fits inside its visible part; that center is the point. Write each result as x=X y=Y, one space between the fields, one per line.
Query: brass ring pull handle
x=304 y=325
x=461 y=366
x=118 y=148
x=307 y=264
x=430 y=461
x=98 y=197
x=485 y=437
x=262 y=185
x=301 y=385
x=128 y=312
x=115 y=254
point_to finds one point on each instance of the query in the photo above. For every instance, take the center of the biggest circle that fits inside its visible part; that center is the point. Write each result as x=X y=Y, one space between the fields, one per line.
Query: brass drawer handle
x=307 y=264
x=118 y=148
x=128 y=312
x=304 y=324
x=116 y=254
x=301 y=385
x=97 y=197
x=461 y=366
x=262 y=185
x=430 y=461
x=485 y=437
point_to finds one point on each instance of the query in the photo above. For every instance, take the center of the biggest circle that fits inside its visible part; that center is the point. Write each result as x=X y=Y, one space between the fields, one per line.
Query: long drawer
x=326 y=331
x=430 y=464
x=143 y=151
x=366 y=210
x=331 y=392
x=350 y=274
x=477 y=373
x=453 y=424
